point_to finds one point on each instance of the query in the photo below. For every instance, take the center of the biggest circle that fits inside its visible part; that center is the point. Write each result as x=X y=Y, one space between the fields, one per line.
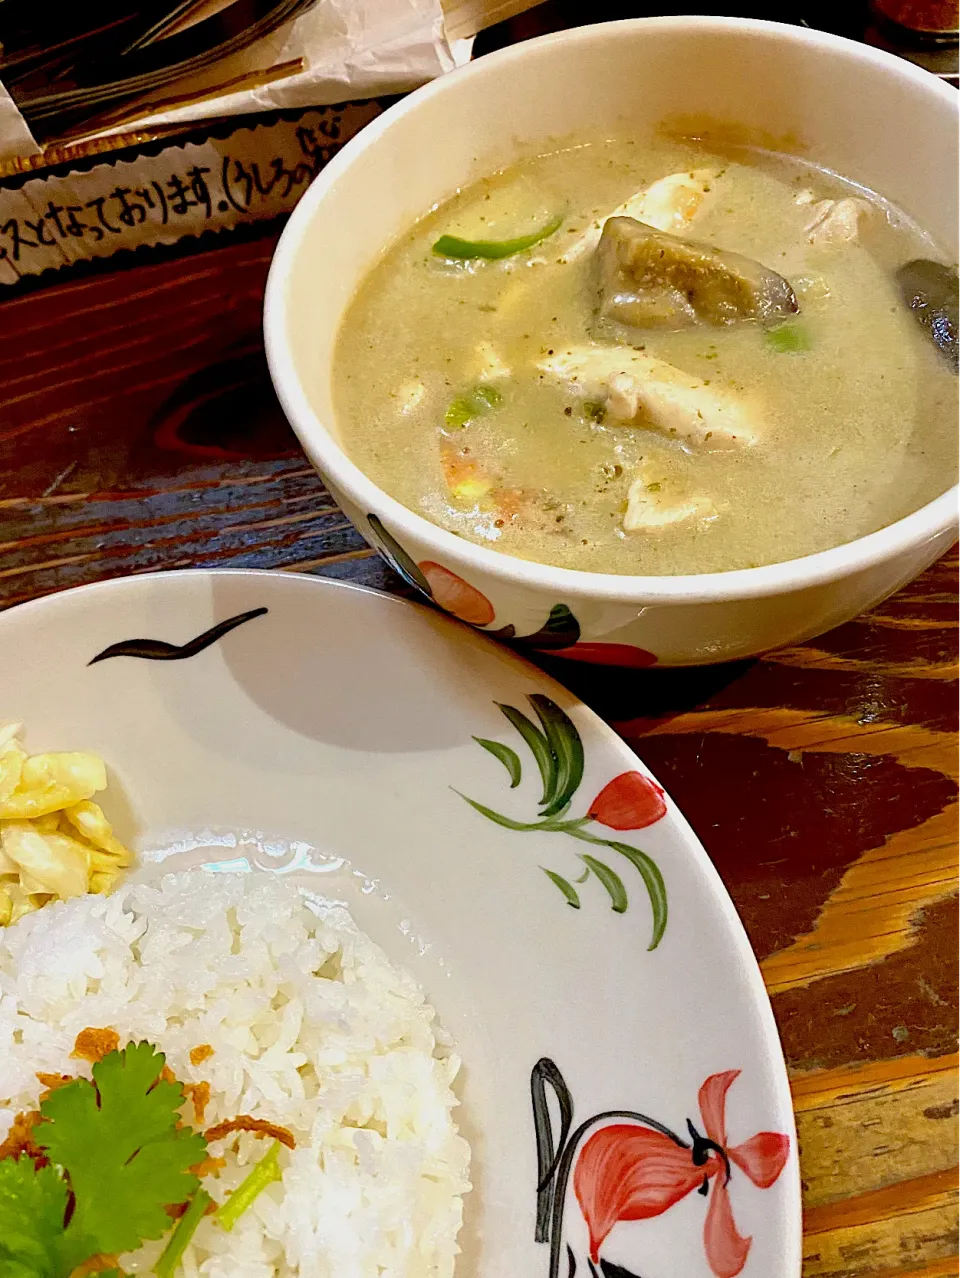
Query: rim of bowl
x=910 y=532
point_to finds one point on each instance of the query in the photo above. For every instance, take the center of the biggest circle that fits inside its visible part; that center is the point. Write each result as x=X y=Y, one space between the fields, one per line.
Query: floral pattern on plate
x=628 y=1167
x=631 y=801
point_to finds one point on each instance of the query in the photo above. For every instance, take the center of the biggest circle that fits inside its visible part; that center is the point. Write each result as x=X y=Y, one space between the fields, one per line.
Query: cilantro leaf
x=12 y=1268
x=118 y=1141
x=32 y=1209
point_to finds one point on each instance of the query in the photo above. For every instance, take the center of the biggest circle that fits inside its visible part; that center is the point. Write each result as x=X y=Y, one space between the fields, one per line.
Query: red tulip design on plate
x=631 y=801
x=636 y=1169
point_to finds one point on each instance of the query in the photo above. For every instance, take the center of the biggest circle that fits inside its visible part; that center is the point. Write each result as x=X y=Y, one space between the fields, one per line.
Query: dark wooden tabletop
x=138 y=431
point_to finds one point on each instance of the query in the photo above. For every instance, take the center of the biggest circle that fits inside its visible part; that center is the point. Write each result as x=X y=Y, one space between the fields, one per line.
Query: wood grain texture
x=872 y=910
x=138 y=431
x=863 y=1122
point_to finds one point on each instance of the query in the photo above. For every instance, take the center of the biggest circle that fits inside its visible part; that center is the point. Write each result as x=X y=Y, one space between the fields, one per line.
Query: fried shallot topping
x=19 y=1139
x=199 y=1094
x=94 y=1044
x=259 y=1126
x=51 y=1082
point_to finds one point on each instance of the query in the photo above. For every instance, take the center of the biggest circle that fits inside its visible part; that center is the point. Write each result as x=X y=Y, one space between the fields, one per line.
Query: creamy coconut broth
x=567 y=404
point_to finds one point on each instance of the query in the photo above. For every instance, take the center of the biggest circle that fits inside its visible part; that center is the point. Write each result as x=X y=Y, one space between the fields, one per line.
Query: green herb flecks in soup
x=642 y=358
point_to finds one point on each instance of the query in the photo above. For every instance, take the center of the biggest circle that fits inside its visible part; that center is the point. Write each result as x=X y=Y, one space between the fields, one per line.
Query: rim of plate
x=931 y=519
x=749 y=971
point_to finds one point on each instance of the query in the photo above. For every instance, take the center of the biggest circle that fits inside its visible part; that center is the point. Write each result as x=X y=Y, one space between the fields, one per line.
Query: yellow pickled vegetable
x=53 y=863
x=11 y=761
x=51 y=782
x=100 y=862
x=6 y=865
x=23 y=903
x=55 y=843
x=103 y=881
x=88 y=818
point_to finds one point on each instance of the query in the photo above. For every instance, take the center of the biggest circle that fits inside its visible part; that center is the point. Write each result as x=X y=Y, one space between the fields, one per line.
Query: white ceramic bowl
x=866 y=114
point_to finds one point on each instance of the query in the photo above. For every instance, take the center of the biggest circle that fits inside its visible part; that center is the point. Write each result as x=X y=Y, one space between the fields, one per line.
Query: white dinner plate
x=623 y=1088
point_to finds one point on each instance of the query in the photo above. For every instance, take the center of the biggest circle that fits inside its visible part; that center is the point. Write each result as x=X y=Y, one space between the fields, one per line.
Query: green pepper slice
x=453 y=246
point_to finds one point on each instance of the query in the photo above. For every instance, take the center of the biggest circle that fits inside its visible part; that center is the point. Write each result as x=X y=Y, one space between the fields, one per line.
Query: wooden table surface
x=138 y=431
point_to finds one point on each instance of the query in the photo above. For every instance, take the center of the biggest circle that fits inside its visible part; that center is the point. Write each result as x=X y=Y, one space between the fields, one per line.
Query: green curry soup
x=615 y=396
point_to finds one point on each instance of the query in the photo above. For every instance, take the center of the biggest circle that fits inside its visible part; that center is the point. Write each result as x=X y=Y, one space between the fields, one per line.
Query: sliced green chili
x=788 y=338
x=264 y=1173
x=453 y=246
x=472 y=403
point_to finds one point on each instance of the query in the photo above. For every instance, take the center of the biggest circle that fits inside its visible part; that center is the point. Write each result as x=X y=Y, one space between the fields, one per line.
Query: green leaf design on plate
x=509 y=758
x=398 y=557
x=649 y=871
x=507 y=822
x=568 y=890
x=537 y=742
x=611 y=881
x=558 y=751
x=653 y=880
x=564 y=743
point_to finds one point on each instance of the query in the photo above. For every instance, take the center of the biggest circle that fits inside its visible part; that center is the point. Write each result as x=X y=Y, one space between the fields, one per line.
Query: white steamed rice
x=312 y=1027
